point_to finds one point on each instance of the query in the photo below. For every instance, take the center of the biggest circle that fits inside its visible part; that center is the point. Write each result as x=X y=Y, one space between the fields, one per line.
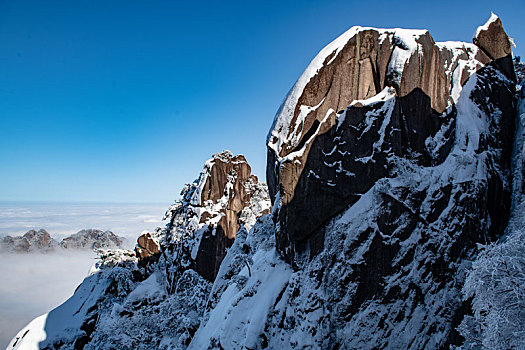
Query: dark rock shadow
x=351 y=157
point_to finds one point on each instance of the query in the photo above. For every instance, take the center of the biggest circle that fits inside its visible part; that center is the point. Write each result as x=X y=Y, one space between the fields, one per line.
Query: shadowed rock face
x=379 y=96
x=414 y=201
x=227 y=182
x=370 y=60
x=346 y=161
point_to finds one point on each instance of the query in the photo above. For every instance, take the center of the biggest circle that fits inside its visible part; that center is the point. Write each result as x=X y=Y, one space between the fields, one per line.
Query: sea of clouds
x=34 y=283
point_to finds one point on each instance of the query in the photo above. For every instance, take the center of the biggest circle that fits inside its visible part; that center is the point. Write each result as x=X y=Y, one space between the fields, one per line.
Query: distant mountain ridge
x=42 y=242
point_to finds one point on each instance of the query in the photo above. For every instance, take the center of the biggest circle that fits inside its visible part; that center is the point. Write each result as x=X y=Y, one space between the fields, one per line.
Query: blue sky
x=123 y=101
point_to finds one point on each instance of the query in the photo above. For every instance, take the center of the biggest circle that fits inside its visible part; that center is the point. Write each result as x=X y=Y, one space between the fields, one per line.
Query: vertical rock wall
x=370 y=98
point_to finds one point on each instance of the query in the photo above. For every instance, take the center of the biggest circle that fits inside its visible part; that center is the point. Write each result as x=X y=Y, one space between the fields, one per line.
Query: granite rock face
x=492 y=39
x=212 y=210
x=389 y=270
x=379 y=213
x=370 y=98
x=37 y=241
x=41 y=241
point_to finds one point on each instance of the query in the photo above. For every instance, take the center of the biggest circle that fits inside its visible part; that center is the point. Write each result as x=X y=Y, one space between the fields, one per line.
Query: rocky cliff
x=394 y=165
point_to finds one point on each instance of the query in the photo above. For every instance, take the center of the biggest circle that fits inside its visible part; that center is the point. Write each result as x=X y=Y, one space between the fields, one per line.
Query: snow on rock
x=285 y=119
x=491 y=37
x=391 y=165
x=227 y=197
x=324 y=126
x=238 y=317
x=390 y=272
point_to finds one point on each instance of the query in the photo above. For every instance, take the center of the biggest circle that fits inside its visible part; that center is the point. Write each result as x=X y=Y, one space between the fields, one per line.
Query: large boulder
x=370 y=98
x=492 y=39
x=147 y=248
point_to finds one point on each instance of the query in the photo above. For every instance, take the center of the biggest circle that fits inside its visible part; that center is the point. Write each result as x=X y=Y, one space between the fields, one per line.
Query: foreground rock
x=163 y=286
x=146 y=247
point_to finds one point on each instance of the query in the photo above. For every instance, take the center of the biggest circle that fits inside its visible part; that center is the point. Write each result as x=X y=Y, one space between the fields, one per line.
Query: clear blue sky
x=125 y=100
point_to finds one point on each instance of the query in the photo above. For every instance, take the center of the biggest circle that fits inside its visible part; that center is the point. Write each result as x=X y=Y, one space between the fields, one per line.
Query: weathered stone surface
x=381 y=95
x=226 y=168
x=147 y=247
x=492 y=39
x=227 y=181
x=345 y=79
x=461 y=59
x=387 y=272
x=347 y=160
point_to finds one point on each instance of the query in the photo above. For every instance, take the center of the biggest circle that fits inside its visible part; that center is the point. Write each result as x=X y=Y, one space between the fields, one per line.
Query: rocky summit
x=92 y=239
x=370 y=102
x=392 y=218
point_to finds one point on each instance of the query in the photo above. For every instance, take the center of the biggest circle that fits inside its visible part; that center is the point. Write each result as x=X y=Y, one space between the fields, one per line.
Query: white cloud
x=33 y=284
